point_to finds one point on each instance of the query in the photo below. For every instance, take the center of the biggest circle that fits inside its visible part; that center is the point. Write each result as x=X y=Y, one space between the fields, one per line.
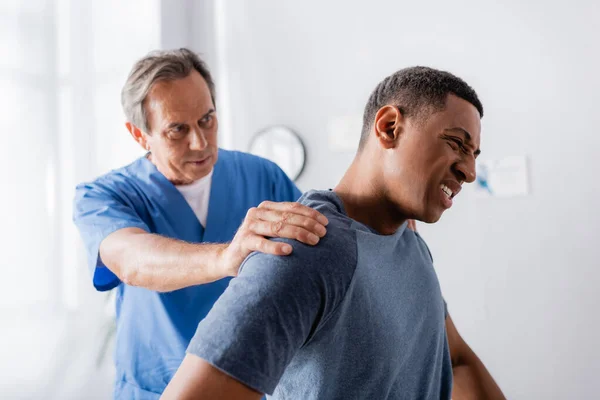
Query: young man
x=366 y=319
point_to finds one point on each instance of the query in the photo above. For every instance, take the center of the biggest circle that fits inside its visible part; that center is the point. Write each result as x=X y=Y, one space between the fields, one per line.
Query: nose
x=465 y=169
x=197 y=140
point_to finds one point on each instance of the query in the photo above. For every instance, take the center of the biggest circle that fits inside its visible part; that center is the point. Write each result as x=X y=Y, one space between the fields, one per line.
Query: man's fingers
x=294 y=208
x=263 y=245
x=282 y=230
x=285 y=218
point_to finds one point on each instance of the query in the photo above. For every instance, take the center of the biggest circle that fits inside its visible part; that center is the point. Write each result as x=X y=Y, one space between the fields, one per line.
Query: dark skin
x=472 y=380
x=398 y=173
x=407 y=169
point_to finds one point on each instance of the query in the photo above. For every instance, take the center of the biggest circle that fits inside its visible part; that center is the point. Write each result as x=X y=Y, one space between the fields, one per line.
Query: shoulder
x=341 y=236
x=333 y=260
x=246 y=161
x=329 y=204
x=423 y=246
x=261 y=176
x=241 y=158
x=111 y=183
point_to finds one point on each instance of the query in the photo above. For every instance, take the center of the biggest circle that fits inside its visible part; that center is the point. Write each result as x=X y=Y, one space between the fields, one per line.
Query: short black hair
x=416 y=91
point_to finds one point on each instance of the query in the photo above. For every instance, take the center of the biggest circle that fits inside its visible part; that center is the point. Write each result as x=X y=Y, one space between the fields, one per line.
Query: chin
x=198 y=172
x=431 y=218
x=200 y=175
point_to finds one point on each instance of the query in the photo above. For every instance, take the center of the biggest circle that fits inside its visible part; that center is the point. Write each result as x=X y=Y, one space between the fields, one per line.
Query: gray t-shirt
x=359 y=316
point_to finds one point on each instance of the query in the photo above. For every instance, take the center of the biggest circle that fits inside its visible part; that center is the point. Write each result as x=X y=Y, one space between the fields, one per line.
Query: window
x=62 y=66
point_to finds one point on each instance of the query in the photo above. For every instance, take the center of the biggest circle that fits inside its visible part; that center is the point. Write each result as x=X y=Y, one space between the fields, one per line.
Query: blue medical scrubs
x=154 y=329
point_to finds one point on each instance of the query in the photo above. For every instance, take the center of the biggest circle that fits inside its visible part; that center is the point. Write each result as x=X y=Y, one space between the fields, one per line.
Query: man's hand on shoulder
x=269 y=220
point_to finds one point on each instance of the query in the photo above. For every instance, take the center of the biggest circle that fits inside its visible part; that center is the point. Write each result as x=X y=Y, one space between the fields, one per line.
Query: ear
x=138 y=135
x=389 y=126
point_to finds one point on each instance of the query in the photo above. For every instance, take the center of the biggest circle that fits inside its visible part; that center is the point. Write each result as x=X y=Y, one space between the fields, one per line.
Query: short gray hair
x=160 y=65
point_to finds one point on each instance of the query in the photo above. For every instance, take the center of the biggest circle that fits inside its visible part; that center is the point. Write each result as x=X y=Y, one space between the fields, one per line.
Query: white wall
x=519 y=274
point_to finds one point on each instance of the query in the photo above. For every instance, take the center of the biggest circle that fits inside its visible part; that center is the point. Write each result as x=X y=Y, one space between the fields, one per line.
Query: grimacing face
x=432 y=159
x=183 y=128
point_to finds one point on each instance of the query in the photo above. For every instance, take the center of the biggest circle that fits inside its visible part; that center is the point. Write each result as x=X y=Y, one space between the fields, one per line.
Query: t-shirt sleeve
x=267 y=313
x=98 y=211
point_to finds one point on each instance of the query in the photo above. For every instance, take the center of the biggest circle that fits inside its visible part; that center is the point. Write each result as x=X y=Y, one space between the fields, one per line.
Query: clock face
x=282 y=146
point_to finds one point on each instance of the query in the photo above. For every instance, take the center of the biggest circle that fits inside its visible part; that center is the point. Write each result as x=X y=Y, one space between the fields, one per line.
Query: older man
x=152 y=228
x=366 y=318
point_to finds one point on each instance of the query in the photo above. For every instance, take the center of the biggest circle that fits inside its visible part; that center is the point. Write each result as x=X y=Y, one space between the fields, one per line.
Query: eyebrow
x=175 y=124
x=212 y=110
x=468 y=137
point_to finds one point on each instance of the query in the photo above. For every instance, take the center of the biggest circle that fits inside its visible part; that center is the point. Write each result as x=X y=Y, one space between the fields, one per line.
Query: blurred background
x=520 y=273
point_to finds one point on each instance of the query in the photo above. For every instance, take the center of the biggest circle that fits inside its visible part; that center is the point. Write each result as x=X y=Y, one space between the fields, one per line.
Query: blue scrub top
x=154 y=329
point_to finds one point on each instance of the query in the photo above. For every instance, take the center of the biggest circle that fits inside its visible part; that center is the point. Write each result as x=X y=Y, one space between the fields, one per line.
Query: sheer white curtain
x=62 y=64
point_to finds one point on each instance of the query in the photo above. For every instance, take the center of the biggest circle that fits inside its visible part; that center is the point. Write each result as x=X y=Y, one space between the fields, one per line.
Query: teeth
x=446 y=190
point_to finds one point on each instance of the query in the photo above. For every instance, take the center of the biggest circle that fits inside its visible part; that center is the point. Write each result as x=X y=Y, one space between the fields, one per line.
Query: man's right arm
x=158 y=263
x=196 y=379
x=154 y=262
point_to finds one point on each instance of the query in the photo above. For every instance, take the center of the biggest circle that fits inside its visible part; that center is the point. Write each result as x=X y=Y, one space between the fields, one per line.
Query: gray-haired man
x=148 y=226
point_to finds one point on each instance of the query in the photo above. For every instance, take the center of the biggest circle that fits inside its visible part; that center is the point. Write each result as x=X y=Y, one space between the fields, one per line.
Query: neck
x=174 y=181
x=364 y=197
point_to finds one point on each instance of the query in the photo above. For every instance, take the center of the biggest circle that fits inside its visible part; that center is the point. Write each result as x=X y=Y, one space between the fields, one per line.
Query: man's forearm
x=158 y=263
x=473 y=381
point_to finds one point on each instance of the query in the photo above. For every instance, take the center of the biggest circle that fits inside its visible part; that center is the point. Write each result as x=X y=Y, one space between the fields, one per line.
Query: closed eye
x=457 y=144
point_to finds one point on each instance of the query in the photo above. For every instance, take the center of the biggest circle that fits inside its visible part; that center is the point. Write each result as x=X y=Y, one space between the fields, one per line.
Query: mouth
x=449 y=191
x=200 y=162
